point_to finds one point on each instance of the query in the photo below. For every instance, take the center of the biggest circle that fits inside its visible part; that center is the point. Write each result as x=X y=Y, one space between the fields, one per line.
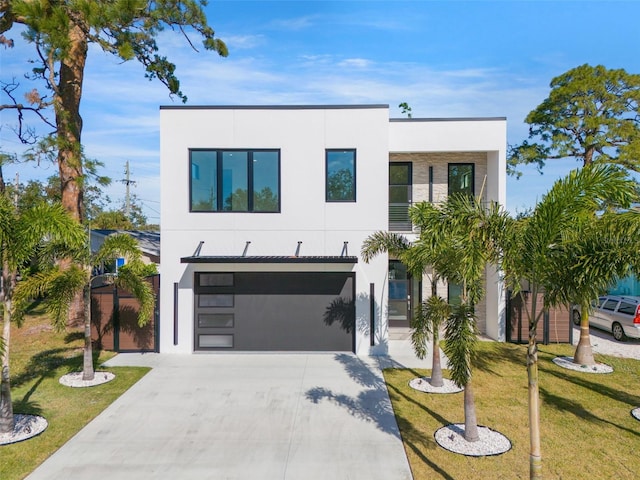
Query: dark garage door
x=274 y=311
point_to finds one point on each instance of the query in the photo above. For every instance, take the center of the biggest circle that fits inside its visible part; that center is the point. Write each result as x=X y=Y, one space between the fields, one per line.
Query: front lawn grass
x=587 y=430
x=38 y=358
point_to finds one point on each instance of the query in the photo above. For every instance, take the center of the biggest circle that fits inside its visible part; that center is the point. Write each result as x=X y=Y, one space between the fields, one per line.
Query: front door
x=403 y=293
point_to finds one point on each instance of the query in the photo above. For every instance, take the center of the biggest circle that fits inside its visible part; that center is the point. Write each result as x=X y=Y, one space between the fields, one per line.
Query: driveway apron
x=241 y=416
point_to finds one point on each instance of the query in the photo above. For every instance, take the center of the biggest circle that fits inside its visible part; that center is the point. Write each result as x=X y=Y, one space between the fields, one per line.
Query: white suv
x=616 y=314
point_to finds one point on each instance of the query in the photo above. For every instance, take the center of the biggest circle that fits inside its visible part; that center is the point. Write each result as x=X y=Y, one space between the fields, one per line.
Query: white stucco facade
x=306 y=225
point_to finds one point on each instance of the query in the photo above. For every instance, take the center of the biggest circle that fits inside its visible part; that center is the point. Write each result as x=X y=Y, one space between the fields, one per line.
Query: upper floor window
x=235 y=181
x=341 y=175
x=461 y=177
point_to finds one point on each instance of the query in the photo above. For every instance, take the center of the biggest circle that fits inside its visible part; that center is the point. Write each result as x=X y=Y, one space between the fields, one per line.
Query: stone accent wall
x=439 y=161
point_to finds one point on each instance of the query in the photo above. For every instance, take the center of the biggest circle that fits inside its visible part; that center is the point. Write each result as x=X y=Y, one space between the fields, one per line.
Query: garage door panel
x=288 y=322
x=280 y=311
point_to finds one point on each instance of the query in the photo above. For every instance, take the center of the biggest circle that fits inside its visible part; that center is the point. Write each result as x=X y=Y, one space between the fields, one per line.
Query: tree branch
x=38 y=107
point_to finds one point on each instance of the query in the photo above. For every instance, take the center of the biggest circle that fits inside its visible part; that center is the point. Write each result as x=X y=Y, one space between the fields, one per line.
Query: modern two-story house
x=265 y=209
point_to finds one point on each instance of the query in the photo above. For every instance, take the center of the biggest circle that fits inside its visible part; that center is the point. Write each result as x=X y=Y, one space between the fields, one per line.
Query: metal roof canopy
x=268 y=259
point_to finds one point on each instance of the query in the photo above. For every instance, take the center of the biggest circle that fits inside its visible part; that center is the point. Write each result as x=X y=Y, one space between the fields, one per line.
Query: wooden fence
x=554 y=327
x=114 y=320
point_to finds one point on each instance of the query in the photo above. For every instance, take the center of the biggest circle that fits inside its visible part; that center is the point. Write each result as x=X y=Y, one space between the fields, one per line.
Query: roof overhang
x=269 y=259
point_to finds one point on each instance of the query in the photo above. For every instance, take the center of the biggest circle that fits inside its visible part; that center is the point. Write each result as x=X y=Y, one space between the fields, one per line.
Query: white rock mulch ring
x=636 y=413
x=451 y=437
x=26 y=427
x=74 y=379
x=422 y=384
x=567 y=362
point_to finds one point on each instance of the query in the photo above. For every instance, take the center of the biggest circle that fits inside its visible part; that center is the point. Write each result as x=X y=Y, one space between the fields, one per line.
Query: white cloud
x=354 y=63
x=243 y=42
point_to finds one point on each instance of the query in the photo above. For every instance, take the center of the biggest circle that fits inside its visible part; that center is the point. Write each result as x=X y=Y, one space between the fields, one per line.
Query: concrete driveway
x=241 y=416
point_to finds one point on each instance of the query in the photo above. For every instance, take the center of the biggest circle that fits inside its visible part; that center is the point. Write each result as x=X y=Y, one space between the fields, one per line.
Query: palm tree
x=566 y=251
x=603 y=250
x=21 y=235
x=60 y=286
x=458 y=239
x=431 y=314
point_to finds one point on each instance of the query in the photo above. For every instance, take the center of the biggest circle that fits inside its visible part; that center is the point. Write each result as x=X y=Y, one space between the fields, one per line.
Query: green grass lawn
x=38 y=358
x=587 y=429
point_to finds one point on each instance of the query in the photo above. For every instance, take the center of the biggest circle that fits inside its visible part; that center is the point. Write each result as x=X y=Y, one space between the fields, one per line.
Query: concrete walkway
x=244 y=416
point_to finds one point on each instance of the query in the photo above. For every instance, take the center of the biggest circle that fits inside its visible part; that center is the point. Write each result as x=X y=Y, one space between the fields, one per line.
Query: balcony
x=400 y=196
x=399 y=220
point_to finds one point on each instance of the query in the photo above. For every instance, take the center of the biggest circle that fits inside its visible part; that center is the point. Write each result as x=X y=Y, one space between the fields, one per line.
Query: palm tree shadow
x=566 y=405
x=373 y=404
x=418 y=443
x=42 y=366
x=142 y=337
x=341 y=311
x=73 y=337
x=25 y=405
x=614 y=394
x=45 y=364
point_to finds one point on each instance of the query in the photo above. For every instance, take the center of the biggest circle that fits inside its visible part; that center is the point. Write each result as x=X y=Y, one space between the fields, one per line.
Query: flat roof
x=329 y=107
x=449 y=119
x=270 y=107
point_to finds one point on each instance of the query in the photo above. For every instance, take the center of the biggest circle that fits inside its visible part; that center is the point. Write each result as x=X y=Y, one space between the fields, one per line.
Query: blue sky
x=444 y=58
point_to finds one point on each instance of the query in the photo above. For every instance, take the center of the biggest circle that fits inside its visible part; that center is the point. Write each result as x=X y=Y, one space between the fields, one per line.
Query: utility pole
x=127 y=199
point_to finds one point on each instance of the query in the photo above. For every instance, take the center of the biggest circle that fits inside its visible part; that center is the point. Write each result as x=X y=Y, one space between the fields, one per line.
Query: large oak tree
x=592 y=114
x=61 y=32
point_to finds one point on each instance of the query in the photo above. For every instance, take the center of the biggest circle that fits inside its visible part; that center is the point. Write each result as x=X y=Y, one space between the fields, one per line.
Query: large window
x=235 y=180
x=461 y=178
x=341 y=176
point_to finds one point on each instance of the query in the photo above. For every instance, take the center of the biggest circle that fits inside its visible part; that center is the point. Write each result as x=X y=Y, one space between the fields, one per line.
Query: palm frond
x=426 y=322
x=52 y=224
x=461 y=334
x=59 y=286
x=569 y=250
x=141 y=289
x=381 y=242
x=115 y=246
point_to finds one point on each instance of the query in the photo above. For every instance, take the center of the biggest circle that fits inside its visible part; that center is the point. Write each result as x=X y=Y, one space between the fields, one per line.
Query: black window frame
x=219 y=199
x=473 y=176
x=326 y=175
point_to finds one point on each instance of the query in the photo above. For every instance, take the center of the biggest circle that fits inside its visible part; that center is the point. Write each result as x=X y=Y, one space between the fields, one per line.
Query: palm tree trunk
x=535 y=456
x=436 y=364
x=470 y=420
x=87 y=371
x=6 y=405
x=584 y=352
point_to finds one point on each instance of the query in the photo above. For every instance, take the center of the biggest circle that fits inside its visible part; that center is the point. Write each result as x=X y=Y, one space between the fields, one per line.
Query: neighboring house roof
x=149 y=241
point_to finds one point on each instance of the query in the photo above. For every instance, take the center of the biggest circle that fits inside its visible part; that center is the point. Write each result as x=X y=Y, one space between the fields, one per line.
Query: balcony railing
x=399 y=220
